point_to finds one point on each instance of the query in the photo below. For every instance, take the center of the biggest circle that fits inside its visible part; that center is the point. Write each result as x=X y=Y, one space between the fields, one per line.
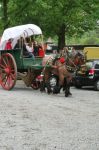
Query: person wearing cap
x=8 y=45
x=62 y=60
x=41 y=52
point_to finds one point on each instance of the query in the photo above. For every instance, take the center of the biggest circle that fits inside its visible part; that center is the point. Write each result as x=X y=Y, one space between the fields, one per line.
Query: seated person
x=29 y=49
x=35 y=49
x=20 y=43
x=8 y=45
x=41 y=52
x=17 y=45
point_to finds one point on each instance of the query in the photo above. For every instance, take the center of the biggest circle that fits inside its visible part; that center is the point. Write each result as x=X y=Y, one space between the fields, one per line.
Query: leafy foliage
x=63 y=18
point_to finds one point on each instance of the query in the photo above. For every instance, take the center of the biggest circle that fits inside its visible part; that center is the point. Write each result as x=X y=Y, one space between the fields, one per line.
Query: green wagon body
x=23 y=63
x=32 y=68
x=13 y=63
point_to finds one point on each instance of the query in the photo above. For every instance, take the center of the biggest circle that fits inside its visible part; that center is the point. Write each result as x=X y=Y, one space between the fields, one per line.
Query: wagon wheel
x=8 y=71
x=35 y=85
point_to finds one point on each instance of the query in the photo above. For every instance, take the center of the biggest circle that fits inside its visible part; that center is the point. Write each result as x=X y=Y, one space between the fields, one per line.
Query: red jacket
x=62 y=60
x=41 y=52
x=8 y=46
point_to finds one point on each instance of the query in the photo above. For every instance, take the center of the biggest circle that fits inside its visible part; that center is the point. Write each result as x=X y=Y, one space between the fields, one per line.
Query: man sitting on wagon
x=8 y=45
x=35 y=49
x=29 y=49
x=41 y=52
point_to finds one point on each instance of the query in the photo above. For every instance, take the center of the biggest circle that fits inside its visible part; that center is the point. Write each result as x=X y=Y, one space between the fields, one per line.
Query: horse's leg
x=57 y=89
x=66 y=89
x=42 y=86
x=67 y=82
x=68 y=85
x=61 y=82
x=45 y=78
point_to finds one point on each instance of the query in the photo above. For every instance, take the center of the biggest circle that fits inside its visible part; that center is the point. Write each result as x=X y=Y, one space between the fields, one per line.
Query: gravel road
x=31 y=120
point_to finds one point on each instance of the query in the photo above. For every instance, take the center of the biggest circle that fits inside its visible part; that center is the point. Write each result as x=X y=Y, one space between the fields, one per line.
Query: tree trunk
x=5 y=14
x=61 y=38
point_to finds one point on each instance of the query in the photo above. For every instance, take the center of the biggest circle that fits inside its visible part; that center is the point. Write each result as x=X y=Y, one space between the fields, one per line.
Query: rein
x=48 y=61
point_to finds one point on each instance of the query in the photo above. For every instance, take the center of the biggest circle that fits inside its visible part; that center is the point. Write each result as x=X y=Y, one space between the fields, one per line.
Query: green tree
x=71 y=18
x=4 y=13
x=63 y=18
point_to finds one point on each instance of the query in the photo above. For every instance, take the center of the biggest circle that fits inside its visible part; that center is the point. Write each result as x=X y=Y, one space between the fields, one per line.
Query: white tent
x=19 y=31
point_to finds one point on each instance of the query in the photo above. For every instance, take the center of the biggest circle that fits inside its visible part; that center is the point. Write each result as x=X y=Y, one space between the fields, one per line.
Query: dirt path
x=30 y=120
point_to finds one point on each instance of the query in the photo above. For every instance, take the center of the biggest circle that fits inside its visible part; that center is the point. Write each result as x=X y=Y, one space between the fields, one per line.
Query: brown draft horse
x=60 y=68
x=73 y=60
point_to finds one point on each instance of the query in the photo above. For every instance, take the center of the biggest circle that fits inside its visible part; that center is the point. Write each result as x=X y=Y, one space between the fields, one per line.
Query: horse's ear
x=79 y=54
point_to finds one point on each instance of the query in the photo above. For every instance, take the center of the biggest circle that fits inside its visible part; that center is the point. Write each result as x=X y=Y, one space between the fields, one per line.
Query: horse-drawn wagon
x=13 y=64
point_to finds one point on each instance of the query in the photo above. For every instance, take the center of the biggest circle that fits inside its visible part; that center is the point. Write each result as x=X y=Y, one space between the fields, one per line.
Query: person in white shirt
x=29 y=48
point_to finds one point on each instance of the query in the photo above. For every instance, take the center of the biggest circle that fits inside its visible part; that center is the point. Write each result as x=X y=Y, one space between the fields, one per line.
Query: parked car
x=87 y=75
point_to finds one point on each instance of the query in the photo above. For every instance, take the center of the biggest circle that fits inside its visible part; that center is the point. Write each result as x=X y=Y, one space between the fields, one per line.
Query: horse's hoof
x=42 y=90
x=56 y=92
x=66 y=95
x=69 y=93
x=49 y=91
x=63 y=89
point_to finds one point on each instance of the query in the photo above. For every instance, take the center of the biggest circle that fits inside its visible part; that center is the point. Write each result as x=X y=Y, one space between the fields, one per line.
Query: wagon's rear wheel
x=35 y=85
x=8 y=71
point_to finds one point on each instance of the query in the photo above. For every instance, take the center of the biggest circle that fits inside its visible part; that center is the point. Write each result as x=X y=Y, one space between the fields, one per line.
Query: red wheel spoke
x=2 y=66
x=10 y=63
x=3 y=59
x=2 y=70
x=9 y=81
x=12 y=76
x=5 y=81
x=12 y=70
x=4 y=77
x=7 y=61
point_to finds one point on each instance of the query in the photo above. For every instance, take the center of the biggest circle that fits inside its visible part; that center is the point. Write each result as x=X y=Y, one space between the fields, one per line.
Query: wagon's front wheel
x=8 y=71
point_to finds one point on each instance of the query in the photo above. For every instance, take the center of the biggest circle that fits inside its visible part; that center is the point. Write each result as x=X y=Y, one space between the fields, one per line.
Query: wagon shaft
x=29 y=77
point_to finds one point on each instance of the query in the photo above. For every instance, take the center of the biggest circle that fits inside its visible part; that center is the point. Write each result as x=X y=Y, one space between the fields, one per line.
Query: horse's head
x=79 y=59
